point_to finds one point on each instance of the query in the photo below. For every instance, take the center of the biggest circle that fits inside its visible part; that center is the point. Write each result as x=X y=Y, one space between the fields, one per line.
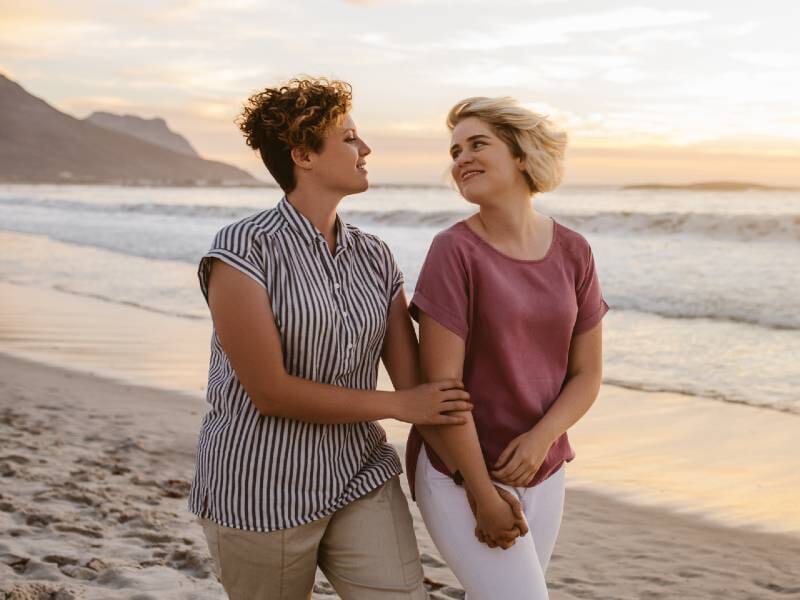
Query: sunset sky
x=669 y=92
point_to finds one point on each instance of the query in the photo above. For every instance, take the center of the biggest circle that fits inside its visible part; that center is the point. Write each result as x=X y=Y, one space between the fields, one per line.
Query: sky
x=653 y=91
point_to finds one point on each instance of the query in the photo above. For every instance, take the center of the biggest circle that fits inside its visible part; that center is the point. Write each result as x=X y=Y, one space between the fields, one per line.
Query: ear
x=302 y=158
x=520 y=160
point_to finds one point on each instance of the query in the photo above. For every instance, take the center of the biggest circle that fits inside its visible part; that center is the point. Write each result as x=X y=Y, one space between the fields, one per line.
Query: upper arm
x=441 y=350
x=245 y=326
x=586 y=352
x=400 y=351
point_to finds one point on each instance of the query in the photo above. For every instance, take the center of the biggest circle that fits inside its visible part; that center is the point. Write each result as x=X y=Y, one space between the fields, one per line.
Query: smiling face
x=483 y=166
x=340 y=165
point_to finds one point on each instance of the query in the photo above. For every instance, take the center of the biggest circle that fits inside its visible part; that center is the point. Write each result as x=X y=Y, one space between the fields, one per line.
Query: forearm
x=572 y=403
x=459 y=448
x=303 y=400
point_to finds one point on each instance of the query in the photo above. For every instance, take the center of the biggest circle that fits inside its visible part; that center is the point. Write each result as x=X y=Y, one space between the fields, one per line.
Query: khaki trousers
x=367 y=550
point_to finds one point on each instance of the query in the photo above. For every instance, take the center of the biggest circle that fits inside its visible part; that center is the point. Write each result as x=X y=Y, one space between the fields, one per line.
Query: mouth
x=466 y=175
x=361 y=167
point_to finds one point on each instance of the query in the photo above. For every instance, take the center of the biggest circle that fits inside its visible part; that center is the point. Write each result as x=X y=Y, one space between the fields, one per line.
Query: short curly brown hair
x=297 y=114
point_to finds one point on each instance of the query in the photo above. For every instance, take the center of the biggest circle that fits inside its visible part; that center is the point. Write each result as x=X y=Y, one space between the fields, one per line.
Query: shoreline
x=105 y=513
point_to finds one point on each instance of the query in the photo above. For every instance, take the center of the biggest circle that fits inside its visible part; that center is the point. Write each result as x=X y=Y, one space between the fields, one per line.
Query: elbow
x=267 y=400
x=591 y=380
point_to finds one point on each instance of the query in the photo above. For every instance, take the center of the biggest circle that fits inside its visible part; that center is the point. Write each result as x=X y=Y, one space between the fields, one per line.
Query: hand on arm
x=244 y=322
x=521 y=459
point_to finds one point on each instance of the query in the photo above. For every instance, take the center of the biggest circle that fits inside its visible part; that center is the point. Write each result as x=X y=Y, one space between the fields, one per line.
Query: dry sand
x=94 y=474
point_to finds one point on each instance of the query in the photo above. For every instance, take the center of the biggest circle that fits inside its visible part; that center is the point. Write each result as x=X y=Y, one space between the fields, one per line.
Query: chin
x=473 y=196
x=359 y=186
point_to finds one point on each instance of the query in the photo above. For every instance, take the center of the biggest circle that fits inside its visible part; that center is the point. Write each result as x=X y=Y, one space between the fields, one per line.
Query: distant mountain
x=710 y=186
x=40 y=144
x=156 y=131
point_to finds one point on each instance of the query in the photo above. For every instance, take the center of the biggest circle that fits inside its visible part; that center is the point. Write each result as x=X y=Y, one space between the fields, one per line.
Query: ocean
x=703 y=286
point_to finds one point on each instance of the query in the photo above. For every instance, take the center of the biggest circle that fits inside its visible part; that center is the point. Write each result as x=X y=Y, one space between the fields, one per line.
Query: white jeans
x=491 y=573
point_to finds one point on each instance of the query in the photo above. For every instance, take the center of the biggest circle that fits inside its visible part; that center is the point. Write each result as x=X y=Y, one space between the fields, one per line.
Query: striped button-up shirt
x=263 y=473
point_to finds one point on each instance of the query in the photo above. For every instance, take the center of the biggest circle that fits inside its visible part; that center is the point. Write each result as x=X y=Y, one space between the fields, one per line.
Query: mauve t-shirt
x=517 y=319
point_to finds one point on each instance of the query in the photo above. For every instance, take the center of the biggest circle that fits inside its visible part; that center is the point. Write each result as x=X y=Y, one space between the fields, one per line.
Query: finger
x=455 y=405
x=511 y=500
x=527 y=477
x=447 y=384
x=524 y=479
x=505 y=455
x=522 y=524
x=517 y=473
x=504 y=473
x=447 y=420
x=454 y=395
x=507 y=535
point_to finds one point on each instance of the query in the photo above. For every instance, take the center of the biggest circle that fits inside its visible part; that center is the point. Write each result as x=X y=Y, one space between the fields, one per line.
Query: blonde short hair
x=528 y=135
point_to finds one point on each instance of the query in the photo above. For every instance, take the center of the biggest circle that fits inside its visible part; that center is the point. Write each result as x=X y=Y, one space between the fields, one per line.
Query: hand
x=520 y=524
x=496 y=523
x=430 y=403
x=521 y=459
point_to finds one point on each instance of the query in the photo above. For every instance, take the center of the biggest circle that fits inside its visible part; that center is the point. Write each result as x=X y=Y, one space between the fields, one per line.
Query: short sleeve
x=238 y=245
x=591 y=305
x=443 y=288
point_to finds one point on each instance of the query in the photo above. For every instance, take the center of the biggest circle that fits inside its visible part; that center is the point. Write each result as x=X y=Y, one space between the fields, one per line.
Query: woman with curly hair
x=508 y=299
x=292 y=470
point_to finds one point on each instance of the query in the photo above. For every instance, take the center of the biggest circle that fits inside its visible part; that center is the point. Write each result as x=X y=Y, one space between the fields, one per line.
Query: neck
x=510 y=218
x=318 y=206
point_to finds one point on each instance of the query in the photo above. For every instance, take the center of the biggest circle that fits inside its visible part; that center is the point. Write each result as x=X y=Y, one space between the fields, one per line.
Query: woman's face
x=483 y=167
x=340 y=165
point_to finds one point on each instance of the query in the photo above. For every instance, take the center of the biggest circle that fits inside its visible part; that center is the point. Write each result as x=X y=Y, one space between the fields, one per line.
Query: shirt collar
x=306 y=229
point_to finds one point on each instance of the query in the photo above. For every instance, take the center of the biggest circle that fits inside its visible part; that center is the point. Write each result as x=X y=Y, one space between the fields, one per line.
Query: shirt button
x=336 y=286
x=344 y=314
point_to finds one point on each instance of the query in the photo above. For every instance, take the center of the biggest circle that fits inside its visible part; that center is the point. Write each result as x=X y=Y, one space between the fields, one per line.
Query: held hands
x=521 y=459
x=430 y=403
x=500 y=520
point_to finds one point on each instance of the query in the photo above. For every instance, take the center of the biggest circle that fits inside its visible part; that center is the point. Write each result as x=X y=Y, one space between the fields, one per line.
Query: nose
x=463 y=158
x=364 y=150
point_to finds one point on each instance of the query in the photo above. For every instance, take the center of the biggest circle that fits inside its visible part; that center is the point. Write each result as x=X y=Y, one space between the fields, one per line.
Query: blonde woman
x=508 y=301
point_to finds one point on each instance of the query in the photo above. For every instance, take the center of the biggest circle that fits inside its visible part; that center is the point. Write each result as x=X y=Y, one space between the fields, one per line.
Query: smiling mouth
x=362 y=167
x=469 y=175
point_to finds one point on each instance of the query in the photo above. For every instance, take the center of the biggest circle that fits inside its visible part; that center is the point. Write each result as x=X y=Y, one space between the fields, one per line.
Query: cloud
x=561 y=30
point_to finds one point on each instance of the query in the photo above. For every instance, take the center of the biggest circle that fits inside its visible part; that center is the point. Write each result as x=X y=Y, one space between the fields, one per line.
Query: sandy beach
x=95 y=474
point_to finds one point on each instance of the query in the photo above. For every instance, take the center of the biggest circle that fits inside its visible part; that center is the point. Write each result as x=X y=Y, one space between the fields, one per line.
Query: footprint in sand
x=324 y=588
x=431 y=561
x=60 y=560
x=147 y=536
x=790 y=592
x=448 y=592
x=15 y=458
x=15 y=561
x=92 y=533
x=194 y=563
x=39 y=519
x=7 y=470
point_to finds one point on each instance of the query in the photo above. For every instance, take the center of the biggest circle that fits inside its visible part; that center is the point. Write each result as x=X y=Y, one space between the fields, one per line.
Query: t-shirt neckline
x=483 y=242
